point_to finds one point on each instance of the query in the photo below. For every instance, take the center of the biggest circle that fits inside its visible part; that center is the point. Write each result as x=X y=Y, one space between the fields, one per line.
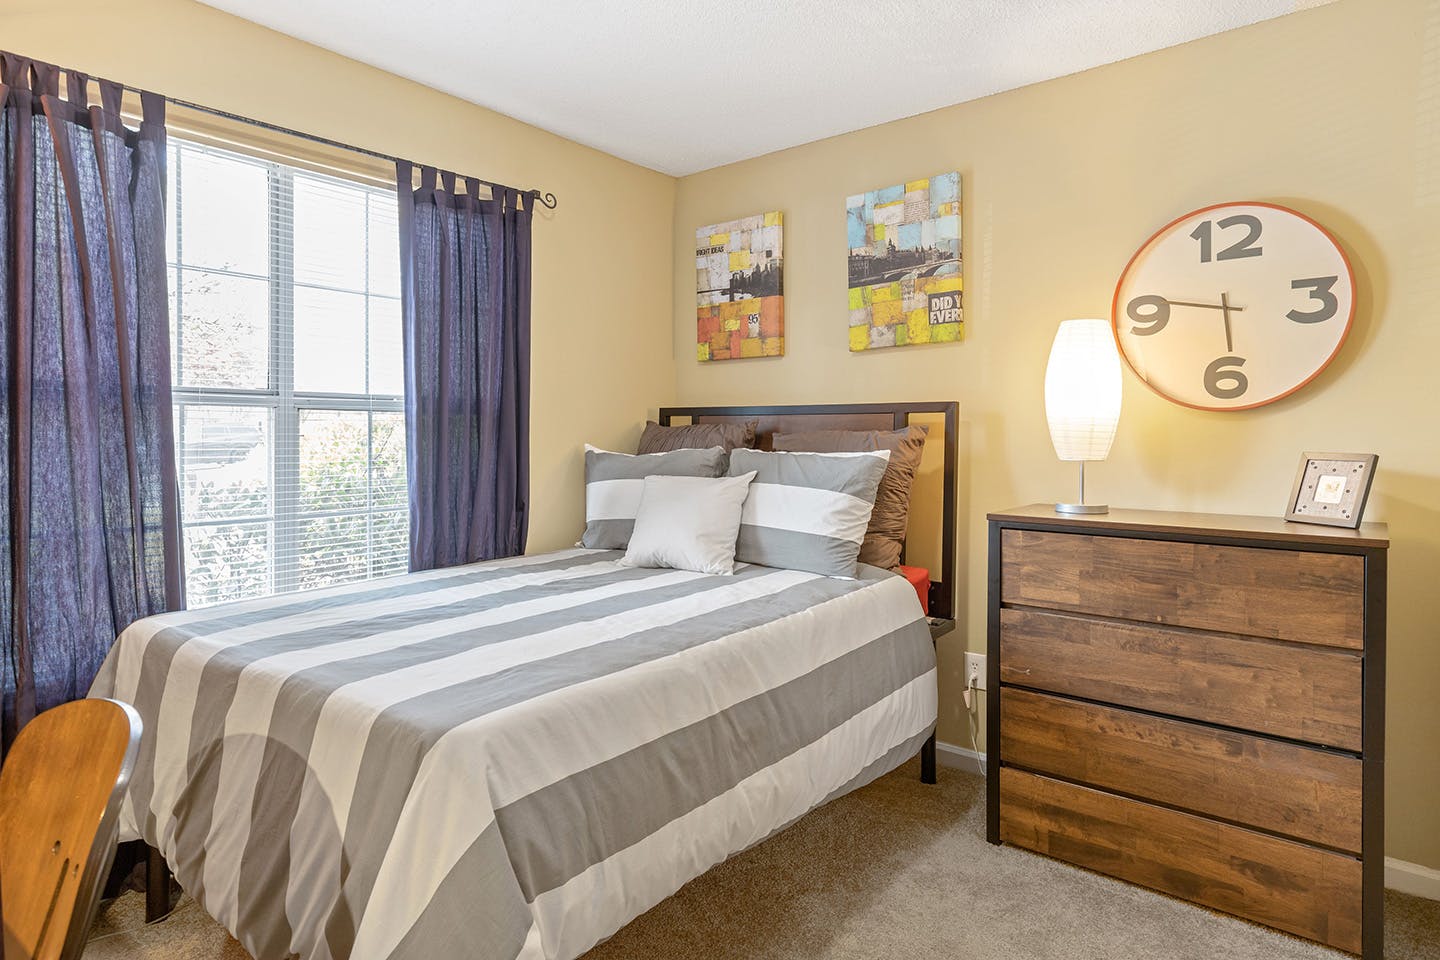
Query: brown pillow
x=885 y=535
x=696 y=436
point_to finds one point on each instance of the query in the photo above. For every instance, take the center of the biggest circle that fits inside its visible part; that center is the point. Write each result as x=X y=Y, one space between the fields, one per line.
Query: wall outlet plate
x=975 y=667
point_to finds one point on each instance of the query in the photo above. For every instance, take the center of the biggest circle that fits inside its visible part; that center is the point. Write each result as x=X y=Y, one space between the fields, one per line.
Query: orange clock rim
x=1339 y=344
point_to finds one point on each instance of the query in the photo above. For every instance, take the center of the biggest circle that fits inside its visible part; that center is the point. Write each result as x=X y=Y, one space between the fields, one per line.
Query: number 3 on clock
x=1322 y=289
x=1233 y=306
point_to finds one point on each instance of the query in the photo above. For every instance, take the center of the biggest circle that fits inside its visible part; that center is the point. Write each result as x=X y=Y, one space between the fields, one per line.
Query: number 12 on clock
x=1234 y=306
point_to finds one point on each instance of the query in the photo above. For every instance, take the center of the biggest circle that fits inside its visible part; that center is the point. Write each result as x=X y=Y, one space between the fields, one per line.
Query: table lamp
x=1082 y=398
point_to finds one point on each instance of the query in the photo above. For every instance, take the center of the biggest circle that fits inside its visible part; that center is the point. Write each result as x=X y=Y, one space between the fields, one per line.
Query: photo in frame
x=1331 y=488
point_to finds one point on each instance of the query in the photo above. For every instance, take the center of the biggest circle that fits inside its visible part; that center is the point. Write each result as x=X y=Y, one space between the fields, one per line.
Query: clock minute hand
x=1226 y=308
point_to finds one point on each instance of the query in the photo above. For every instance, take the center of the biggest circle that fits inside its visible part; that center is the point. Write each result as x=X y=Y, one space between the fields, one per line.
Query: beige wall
x=1334 y=111
x=601 y=260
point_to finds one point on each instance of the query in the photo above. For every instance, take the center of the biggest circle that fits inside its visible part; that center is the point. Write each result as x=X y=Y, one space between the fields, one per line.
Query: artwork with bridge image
x=905 y=278
x=739 y=289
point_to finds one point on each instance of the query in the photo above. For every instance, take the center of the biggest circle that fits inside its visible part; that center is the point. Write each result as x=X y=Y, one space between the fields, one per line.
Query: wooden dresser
x=1195 y=703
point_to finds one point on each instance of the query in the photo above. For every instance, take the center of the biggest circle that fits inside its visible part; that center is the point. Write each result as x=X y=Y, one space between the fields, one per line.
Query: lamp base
x=1082 y=508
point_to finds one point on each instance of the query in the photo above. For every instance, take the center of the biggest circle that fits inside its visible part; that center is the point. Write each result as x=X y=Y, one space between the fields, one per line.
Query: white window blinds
x=290 y=430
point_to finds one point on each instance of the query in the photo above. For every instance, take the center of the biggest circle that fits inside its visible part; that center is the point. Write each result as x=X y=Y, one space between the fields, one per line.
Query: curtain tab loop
x=110 y=94
x=427 y=178
x=77 y=88
x=447 y=180
x=152 y=108
x=47 y=79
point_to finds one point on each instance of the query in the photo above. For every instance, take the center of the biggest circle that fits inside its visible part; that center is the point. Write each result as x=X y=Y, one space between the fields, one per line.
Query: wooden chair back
x=60 y=792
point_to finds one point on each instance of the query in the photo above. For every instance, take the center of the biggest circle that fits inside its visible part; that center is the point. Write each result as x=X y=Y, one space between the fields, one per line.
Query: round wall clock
x=1234 y=306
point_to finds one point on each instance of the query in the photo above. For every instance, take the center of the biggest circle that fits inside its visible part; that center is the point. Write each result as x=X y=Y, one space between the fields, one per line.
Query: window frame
x=284 y=403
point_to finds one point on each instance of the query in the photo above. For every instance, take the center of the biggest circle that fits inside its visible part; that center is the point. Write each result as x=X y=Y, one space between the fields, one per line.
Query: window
x=285 y=326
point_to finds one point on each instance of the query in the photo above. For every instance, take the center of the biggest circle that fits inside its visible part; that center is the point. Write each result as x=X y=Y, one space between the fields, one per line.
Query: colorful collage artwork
x=739 y=289
x=905 y=279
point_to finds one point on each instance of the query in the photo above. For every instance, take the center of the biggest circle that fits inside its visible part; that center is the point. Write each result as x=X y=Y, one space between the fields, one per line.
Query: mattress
x=507 y=759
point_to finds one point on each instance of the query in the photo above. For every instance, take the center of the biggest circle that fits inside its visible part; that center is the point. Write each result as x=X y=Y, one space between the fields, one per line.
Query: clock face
x=1234 y=306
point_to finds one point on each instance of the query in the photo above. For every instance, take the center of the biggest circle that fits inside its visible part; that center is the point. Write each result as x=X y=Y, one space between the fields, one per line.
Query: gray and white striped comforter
x=509 y=759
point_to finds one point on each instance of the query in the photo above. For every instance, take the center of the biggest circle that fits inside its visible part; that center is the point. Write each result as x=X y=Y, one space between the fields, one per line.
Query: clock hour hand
x=1150 y=313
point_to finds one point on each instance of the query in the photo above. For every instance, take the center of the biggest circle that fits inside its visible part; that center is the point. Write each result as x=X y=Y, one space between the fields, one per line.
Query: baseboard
x=959 y=758
x=1412 y=878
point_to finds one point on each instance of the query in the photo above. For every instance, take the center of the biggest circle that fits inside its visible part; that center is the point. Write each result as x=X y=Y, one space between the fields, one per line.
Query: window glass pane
x=390 y=553
x=278 y=494
x=384 y=245
x=229 y=561
x=224 y=462
x=387 y=351
x=334 y=460
x=329 y=233
x=387 y=459
x=333 y=550
x=224 y=331
x=329 y=341
x=223 y=209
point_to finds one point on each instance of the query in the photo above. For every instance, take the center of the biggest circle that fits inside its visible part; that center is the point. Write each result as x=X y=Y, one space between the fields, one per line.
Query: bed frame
x=772 y=420
x=865 y=416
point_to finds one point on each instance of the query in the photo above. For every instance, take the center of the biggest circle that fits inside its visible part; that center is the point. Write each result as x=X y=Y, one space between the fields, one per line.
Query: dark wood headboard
x=859 y=416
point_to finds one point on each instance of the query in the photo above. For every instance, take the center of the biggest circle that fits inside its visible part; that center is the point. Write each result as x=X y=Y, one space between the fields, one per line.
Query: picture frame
x=1331 y=488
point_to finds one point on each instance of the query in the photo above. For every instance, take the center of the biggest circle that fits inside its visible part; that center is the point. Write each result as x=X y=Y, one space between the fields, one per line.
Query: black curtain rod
x=546 y=199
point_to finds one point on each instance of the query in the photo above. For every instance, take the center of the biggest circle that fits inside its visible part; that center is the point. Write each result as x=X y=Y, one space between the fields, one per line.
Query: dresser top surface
x=1174 y=522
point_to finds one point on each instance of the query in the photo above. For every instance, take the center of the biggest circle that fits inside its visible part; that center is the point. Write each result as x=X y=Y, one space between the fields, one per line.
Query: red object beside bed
x=919 y=578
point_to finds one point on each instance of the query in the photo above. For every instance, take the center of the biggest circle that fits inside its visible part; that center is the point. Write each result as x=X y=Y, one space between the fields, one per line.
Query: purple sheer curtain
x=465 y=292
x=88 y=489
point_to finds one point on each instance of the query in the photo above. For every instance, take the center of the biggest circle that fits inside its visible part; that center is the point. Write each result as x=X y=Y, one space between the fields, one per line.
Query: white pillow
x=688 y=523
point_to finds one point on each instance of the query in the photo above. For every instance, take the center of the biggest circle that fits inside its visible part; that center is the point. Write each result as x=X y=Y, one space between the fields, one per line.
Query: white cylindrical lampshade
x=1082 y=390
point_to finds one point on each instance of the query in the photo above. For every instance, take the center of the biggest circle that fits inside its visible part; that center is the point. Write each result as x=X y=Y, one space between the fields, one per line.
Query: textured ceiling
x=684 y=85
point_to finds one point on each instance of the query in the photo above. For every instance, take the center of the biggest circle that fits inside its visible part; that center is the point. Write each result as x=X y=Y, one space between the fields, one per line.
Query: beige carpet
x=897 y=869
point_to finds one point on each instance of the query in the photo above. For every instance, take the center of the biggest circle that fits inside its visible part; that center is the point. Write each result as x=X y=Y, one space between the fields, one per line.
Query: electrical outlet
x=975 y=669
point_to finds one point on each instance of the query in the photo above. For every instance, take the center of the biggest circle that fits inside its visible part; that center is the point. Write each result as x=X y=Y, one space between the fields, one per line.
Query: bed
x=508 y=759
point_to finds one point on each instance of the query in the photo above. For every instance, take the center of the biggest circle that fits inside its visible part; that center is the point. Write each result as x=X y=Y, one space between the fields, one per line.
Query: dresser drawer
x=1301 y=889
x=1302 y=792
x=1284 y=689
x=1284 y=594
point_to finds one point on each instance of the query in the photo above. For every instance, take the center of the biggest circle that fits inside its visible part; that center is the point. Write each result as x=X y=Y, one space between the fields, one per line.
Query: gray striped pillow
x=614 y=482
x=807 y=511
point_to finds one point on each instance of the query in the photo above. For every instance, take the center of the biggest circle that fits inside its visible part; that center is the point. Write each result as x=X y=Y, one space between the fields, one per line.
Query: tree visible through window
x=285 y=324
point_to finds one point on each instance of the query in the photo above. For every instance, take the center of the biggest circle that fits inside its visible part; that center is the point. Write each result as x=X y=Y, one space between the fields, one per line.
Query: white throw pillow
x=688 y=523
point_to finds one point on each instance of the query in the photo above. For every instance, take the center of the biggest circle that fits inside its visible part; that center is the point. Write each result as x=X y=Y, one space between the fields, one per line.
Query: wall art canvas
x=905 y=277
x=739 y=289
